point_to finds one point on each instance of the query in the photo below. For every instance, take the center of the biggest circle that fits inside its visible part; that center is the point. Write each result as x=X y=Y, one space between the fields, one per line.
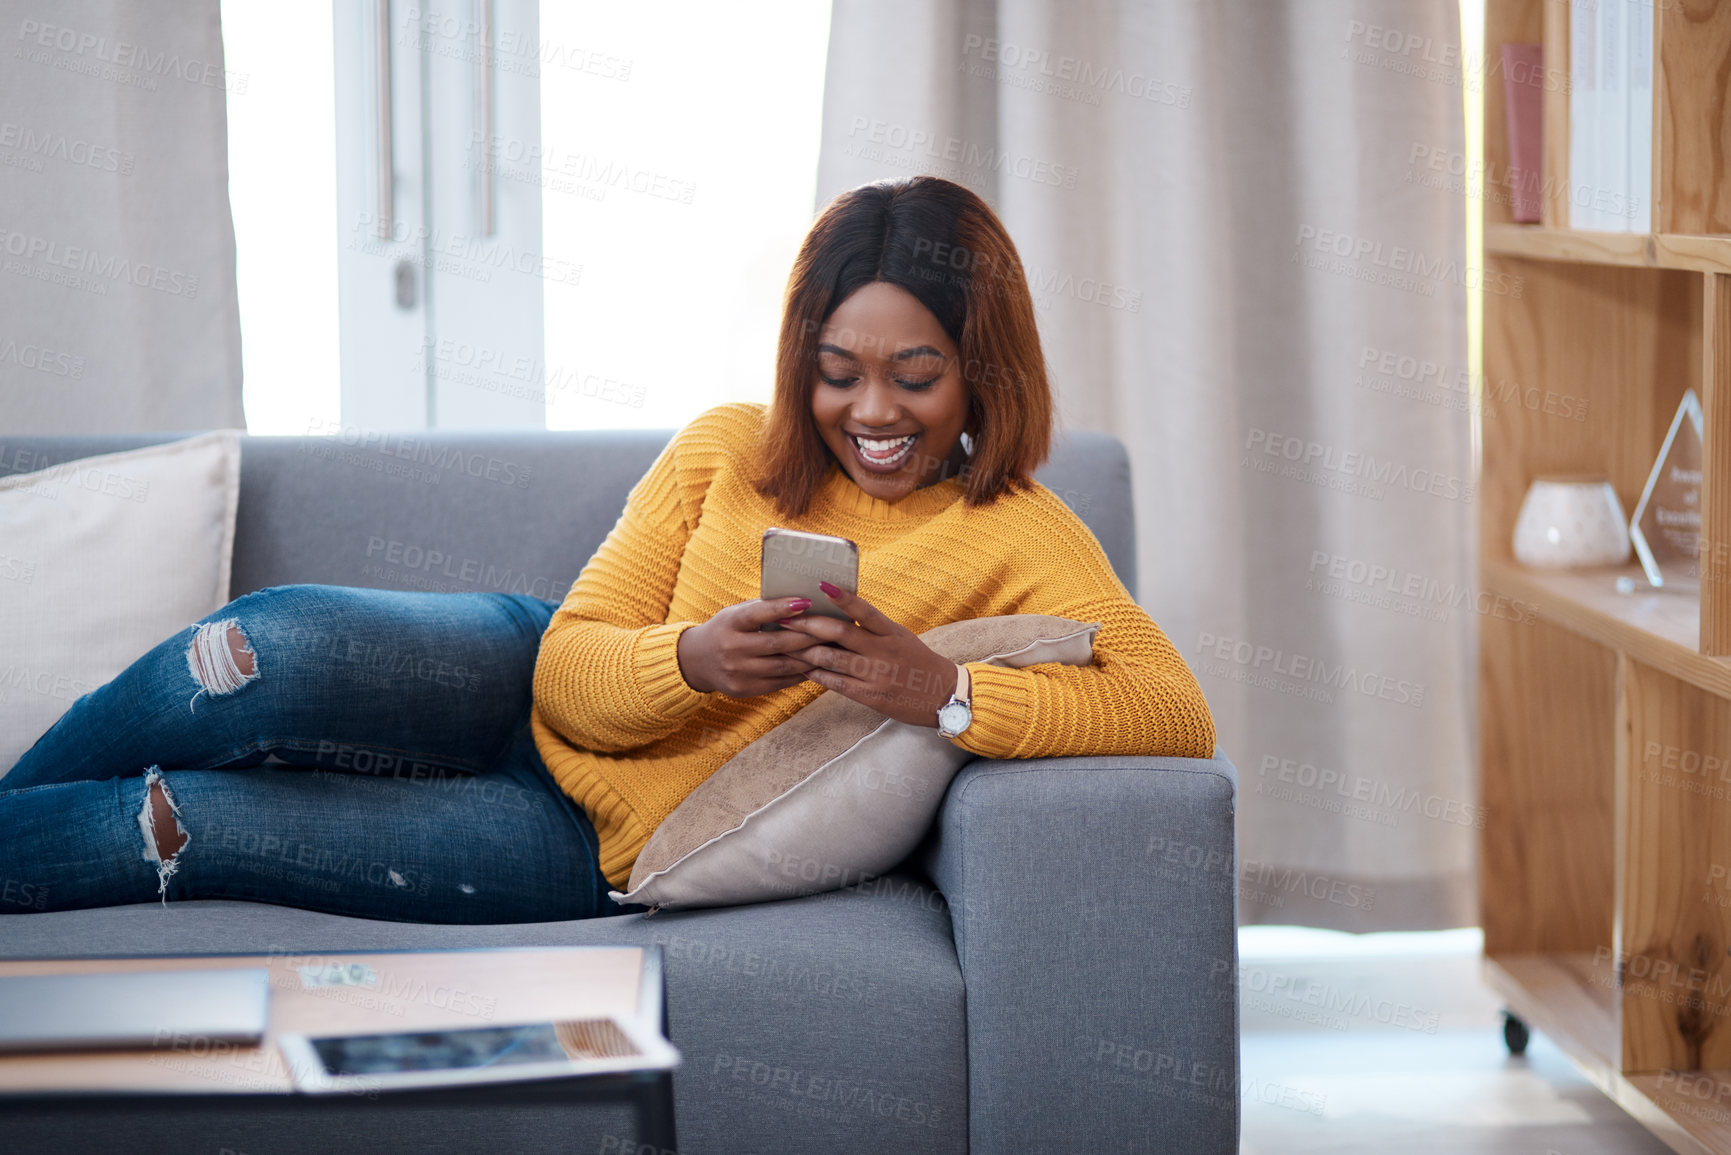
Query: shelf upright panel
x=1692 y=48
x=1715 y=548
x=1554 y=209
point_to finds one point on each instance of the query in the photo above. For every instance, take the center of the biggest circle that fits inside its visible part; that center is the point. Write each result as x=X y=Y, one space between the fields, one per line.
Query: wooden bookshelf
x=1605 y=716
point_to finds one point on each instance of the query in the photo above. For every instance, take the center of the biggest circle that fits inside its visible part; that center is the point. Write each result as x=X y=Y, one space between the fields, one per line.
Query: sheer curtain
x=117 y=282
x=1247 y=253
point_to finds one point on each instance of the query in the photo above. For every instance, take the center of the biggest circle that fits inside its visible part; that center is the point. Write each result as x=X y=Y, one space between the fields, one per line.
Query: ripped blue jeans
x=355 y=751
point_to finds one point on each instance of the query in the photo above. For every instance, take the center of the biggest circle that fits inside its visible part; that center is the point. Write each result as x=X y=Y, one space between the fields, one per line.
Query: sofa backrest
x=520 y=511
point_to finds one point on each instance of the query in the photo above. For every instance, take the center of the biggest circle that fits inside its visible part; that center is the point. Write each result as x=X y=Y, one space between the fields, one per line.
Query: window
x=680 y=149
x=672 y=159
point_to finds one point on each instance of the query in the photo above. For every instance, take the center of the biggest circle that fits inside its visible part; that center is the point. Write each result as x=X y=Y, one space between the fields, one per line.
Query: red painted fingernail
x=798 y=604
x=785 y=621
x=828 y=589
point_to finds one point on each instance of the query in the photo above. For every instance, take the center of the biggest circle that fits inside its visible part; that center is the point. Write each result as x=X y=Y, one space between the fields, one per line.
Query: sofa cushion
x=79 y=597
x=835 y=794
x=832 y=1023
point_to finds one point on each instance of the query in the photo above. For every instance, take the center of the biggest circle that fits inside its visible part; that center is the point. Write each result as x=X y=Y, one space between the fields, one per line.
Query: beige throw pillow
x=100 y=559
x=834 y=795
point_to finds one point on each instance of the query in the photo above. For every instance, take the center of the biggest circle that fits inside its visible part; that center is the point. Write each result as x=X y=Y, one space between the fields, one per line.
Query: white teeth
x=884 y=452
x=872 y=446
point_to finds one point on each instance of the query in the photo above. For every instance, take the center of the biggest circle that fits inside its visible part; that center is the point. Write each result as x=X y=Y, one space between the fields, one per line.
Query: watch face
x=954 y=717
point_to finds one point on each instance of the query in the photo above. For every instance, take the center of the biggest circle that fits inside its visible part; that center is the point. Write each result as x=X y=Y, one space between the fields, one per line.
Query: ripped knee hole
x=164 y=837
x=220 y=657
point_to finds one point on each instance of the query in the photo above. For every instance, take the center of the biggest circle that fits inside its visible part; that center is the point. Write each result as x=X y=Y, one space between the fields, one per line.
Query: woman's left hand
x=878 y=662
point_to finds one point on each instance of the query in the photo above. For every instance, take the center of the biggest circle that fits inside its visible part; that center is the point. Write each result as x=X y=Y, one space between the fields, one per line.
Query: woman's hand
x=877 y=662
x=732 y=654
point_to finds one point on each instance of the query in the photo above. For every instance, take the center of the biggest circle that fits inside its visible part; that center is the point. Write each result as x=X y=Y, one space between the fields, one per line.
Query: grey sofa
x=1053 y=971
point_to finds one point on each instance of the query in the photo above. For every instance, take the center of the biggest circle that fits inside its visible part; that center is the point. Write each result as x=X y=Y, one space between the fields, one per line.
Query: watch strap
x=960 y=696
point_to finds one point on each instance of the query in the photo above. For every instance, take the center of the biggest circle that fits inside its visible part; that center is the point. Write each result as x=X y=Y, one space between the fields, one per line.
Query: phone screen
x=467 y=1048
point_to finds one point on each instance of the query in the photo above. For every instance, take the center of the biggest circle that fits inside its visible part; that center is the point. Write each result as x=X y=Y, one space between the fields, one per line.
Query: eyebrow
x=904 y=355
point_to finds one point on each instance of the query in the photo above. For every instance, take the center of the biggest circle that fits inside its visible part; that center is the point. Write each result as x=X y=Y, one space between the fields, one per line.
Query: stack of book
x=1611 y=115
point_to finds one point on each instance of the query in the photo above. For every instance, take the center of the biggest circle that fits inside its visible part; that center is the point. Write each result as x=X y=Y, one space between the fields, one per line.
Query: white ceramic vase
x=1568 y=522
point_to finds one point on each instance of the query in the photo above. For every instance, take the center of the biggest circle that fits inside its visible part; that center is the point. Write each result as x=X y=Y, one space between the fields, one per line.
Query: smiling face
x=889 y=400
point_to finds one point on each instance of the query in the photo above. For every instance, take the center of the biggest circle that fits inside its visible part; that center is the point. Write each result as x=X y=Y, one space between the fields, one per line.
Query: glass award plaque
x=1666 y=529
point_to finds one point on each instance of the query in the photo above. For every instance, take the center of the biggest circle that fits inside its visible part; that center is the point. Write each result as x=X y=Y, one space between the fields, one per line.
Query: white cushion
x=100 y=559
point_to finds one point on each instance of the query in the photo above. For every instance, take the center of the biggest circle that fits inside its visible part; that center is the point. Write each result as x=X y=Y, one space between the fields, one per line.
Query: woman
x=911 y=408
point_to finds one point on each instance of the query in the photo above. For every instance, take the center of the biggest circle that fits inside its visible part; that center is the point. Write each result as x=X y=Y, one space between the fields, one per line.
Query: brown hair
x=945 y=246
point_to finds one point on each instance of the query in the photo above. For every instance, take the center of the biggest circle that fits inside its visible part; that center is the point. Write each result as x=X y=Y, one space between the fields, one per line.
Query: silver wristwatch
x=957 y=714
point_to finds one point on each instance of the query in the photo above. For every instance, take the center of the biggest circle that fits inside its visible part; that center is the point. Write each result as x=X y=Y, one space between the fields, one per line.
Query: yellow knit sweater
x=628 y=739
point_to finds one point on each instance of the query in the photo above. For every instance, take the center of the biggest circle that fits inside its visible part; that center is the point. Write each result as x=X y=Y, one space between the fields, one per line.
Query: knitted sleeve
x=607 y=675
x=1138 y=696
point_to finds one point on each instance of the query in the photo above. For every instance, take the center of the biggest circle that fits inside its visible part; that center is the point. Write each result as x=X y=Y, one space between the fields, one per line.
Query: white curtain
x=117 y=285
x=1248 y=262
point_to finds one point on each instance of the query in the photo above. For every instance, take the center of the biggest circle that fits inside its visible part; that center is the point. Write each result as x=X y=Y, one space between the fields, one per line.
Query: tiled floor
x=1389 y=1043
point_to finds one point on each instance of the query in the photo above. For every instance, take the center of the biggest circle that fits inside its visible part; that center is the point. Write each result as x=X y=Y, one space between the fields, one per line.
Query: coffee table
x=354 y=992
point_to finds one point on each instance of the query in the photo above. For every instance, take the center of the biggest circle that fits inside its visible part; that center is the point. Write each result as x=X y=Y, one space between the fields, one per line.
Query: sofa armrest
x=1094 y=903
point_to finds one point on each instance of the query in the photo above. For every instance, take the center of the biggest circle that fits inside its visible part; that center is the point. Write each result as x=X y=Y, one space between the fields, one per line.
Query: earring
x=967 y=443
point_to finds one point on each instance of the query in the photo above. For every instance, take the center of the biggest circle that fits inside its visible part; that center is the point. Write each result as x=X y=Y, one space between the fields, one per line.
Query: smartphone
x=795 y=561
x=449 y=1057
